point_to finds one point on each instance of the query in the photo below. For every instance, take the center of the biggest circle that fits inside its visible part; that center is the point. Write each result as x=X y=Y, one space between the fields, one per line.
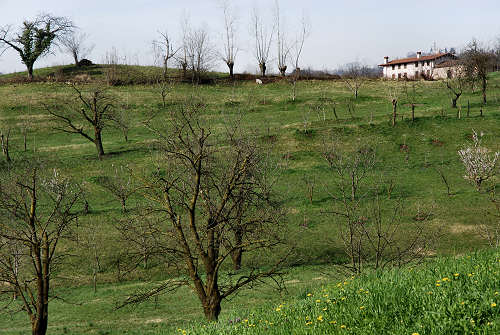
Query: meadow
x=296 y=132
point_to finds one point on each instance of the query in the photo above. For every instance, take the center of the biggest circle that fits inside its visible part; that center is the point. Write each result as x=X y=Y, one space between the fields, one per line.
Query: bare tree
x=477 y=61
x=200 y=53
x=456 y=85
x=163 y=49
x=412 y=95
x=480 y=164
x=282 y=42
x=296 y=53
x=263 y=40
x=371 y=234
x=36 y=214
x=76 y=45
x=230 y=49
x=197 y=190
x=354 y=75
x=94 y=109
x=119 y=184
x=35 y=38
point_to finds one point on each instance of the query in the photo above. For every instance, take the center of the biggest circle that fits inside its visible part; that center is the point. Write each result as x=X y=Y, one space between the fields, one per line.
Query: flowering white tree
x=480 y=164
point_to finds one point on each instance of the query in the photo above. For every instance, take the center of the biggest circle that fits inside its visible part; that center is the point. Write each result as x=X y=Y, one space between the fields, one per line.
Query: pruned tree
x=354 y=76
x=479 y=162
x=36 y=214
x=411 y=90
x=296 y=53
x=163 y=49
x=87 y=115
x=263 y=40
x=477 y=61
x=203 y=193
x=35 y=38
x=76 y=45
x=282 y=42
x=230 y=49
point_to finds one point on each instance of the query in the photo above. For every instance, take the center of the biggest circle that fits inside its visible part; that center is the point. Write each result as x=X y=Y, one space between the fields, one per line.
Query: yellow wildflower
x=493 y=304
x=309 y=294
x=318 y=301
x=343 y=326
x=362 y=307
x=320 y=318
x=333 y=322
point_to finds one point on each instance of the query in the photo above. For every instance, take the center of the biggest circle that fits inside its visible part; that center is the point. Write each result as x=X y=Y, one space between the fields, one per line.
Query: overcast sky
x=341 y=31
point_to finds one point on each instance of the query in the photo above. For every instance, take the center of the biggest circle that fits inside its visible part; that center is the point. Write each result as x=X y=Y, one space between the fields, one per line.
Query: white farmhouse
x=417 y=67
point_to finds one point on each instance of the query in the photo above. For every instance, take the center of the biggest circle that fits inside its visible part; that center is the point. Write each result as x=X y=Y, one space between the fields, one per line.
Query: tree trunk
x=230 y=65
x=98 y=143
x=413 y=112
x=211 y=307
x=394 y=111
x=4 y=141
x=75 y=58
x=262 y=67
x=30 y=72
x=236 y=255
x=484 y=90
x=184 y=70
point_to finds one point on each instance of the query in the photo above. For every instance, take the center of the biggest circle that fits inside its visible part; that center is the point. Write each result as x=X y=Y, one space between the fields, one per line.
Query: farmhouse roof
x=448 y=63
x=418 y=59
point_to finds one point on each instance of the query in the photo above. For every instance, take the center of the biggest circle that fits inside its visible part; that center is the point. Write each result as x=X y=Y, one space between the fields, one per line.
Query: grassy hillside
x=295 y=132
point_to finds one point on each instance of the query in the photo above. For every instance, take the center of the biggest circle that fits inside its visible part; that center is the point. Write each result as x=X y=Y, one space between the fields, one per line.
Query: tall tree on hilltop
x=35 y=38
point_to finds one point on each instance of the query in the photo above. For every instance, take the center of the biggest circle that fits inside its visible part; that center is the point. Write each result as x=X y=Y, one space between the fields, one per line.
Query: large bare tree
x=35 y=214
x=87 y=115
x=35 y=38
x=263 y=40
x=200 y=190
x=478 y=62
x=76 y=45
x=230 y=49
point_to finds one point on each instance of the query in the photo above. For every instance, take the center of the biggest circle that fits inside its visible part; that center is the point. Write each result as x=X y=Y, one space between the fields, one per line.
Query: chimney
x=419 y=54
x=386 y=59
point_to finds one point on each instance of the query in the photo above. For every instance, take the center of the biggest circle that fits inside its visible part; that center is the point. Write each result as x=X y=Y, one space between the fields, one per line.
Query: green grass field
x=296 y=132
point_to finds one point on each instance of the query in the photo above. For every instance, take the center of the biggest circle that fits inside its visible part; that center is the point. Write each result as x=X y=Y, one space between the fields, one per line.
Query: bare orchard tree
x=87 y=115
x=163 y=49
x=200 y=53
x=456 y=85
x=35 y=38
x=478 y=61
x=479 y=162
x=36 y=212
x=119 y=184
x=199 y=188
x=263 y=40
x=371 y=233
x=282 y=42
x=230 y=49
x=412 y=93
x=296 y=53
x=76 y=45
x=354 y=76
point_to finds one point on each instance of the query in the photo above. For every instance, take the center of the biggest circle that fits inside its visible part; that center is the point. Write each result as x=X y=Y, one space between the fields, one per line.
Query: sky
x=340 y=31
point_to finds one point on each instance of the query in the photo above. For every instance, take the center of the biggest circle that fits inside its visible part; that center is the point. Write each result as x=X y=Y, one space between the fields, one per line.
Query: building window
x=399 y=75
x=399 y=66
x=393 y=76
x=405 y=66
x=393 y=67
x=416 y=74
x=416 y=64
x=427 y=63
x=405 y=75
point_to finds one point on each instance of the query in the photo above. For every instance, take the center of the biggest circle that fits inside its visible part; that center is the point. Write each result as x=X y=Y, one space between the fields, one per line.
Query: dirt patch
x=154 y=321
x=459 y=228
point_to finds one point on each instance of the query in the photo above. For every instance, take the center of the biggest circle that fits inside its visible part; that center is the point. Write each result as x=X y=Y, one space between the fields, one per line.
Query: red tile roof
x=415 y=59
